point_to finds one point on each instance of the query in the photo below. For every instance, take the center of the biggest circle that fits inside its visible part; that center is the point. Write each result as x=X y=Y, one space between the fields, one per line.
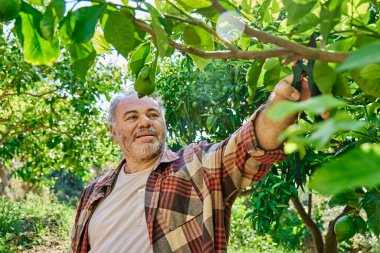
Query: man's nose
x=144 y=121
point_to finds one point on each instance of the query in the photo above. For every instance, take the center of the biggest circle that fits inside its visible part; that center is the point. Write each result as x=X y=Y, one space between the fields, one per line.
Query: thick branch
x=232 y=54
x=313 y=228
x=301 y=50
x=240 y=54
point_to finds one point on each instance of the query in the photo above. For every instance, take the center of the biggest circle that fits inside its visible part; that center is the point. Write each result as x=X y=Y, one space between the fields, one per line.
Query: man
x=160 y=201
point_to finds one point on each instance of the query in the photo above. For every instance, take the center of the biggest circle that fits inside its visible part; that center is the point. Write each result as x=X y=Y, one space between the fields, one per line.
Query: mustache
x=145 y=132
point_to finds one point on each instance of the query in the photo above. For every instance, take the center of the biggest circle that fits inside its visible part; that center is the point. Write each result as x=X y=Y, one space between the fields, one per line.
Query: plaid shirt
x=190 y=193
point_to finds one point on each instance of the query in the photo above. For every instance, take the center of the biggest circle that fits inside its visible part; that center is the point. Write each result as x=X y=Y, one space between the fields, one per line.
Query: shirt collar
x=109 y=178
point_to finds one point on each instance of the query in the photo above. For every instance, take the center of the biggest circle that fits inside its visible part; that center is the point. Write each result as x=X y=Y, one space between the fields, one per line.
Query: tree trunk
x=331 y=245
x=311 y=225
x=4 y=179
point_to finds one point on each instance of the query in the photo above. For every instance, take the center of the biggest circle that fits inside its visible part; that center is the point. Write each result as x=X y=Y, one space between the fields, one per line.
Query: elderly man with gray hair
x=157 y=200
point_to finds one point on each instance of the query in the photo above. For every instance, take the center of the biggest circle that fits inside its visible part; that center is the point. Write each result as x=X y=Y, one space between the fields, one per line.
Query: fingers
x=284 y=90
x=325 y=115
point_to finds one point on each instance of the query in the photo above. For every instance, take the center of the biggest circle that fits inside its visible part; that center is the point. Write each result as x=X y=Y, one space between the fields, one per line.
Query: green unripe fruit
x=144 y=87
x=144 y=73
x=194 y=104
x=237 y=89
x=225 y=89
x=9 y=9
x=344 y=228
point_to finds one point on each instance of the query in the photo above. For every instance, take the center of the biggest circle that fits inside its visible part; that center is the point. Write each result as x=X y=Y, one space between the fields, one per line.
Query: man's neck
x=133 y=166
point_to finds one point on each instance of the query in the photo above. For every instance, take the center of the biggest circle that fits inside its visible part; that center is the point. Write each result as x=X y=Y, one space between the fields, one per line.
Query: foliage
x=242 y=236
x=49 y=117
x=28 y=223
x=271 y=33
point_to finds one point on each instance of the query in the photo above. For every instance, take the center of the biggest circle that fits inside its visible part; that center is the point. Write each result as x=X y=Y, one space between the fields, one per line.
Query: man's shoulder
x=101 y=180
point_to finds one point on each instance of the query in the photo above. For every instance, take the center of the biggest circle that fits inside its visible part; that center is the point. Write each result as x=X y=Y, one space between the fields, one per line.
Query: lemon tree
x=339 y=155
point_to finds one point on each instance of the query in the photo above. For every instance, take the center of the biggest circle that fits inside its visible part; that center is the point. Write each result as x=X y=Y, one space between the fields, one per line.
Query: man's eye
x=153 y=115
x=132 y=117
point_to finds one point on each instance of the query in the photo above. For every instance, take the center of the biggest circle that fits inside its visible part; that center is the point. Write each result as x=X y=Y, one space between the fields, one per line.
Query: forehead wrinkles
x=134 y=104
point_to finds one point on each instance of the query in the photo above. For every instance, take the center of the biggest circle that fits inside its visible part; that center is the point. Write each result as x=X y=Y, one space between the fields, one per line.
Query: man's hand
x=268 y=131
x=284 y=91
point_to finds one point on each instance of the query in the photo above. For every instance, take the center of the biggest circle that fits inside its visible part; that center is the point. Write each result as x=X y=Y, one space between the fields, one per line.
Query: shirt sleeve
x=238 y=161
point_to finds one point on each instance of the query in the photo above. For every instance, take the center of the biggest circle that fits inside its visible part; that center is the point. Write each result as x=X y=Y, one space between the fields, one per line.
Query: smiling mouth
x=145 y=135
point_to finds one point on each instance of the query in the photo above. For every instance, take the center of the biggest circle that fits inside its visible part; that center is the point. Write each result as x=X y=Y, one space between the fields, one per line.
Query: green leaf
x=83 y=57
x=208 y=12
x=368 y=54
x=331 y=126
x=252 y=77
x=59 y=8
x=371 y=204
x=355 y=168
x=101 y=45
x=315 y=105
x=370 y=71
x=297 y=10
x=369 y=86
x=119 y=31
x=36 y=2
x=37 y=50
x=211 y=121
x=67 y=28
x=196 y=4
x=329 y=16
x=49 y=20
x=341 y=86
x=86 y=19
x=200 y=62
x=308 y=22
x=190 y=36
x=342 y=45
x=161 y=36
x=206 y=44
x=138 y=58
x=324 y=76
x=342 y=198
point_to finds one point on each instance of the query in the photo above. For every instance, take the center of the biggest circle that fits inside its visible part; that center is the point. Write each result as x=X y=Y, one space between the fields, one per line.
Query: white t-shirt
x=118 y=224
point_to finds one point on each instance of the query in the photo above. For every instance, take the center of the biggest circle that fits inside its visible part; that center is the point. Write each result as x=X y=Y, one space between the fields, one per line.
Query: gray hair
x=125 y=93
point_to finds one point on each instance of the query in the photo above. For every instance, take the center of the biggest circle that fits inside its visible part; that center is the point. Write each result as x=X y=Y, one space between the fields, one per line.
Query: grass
x=33 y=223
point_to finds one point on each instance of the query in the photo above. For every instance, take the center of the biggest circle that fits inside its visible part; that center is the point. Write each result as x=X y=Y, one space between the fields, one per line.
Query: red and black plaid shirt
x=190 y=194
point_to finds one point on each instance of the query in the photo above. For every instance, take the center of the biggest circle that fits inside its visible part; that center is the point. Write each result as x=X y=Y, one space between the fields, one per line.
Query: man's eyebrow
x=128 y=112
x=135 y=111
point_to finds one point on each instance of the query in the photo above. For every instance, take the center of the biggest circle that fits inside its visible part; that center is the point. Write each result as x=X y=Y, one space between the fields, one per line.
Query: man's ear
x=112 y=131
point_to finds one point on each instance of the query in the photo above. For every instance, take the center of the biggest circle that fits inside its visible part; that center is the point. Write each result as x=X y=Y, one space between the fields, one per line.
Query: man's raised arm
x=268 y=131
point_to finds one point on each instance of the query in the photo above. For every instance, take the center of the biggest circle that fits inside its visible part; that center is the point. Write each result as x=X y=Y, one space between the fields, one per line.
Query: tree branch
x=298 y=49
x=235 y=54
x=249 y=55
x=313 y=228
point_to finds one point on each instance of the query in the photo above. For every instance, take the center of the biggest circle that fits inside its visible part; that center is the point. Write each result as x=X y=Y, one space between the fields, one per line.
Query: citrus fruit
x=194 y=104
x=144 y=87
x=344 y=228
x=9 y=9
x=144 y=73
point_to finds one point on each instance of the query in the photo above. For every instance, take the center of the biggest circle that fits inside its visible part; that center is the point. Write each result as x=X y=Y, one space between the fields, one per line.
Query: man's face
x=139 y=128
